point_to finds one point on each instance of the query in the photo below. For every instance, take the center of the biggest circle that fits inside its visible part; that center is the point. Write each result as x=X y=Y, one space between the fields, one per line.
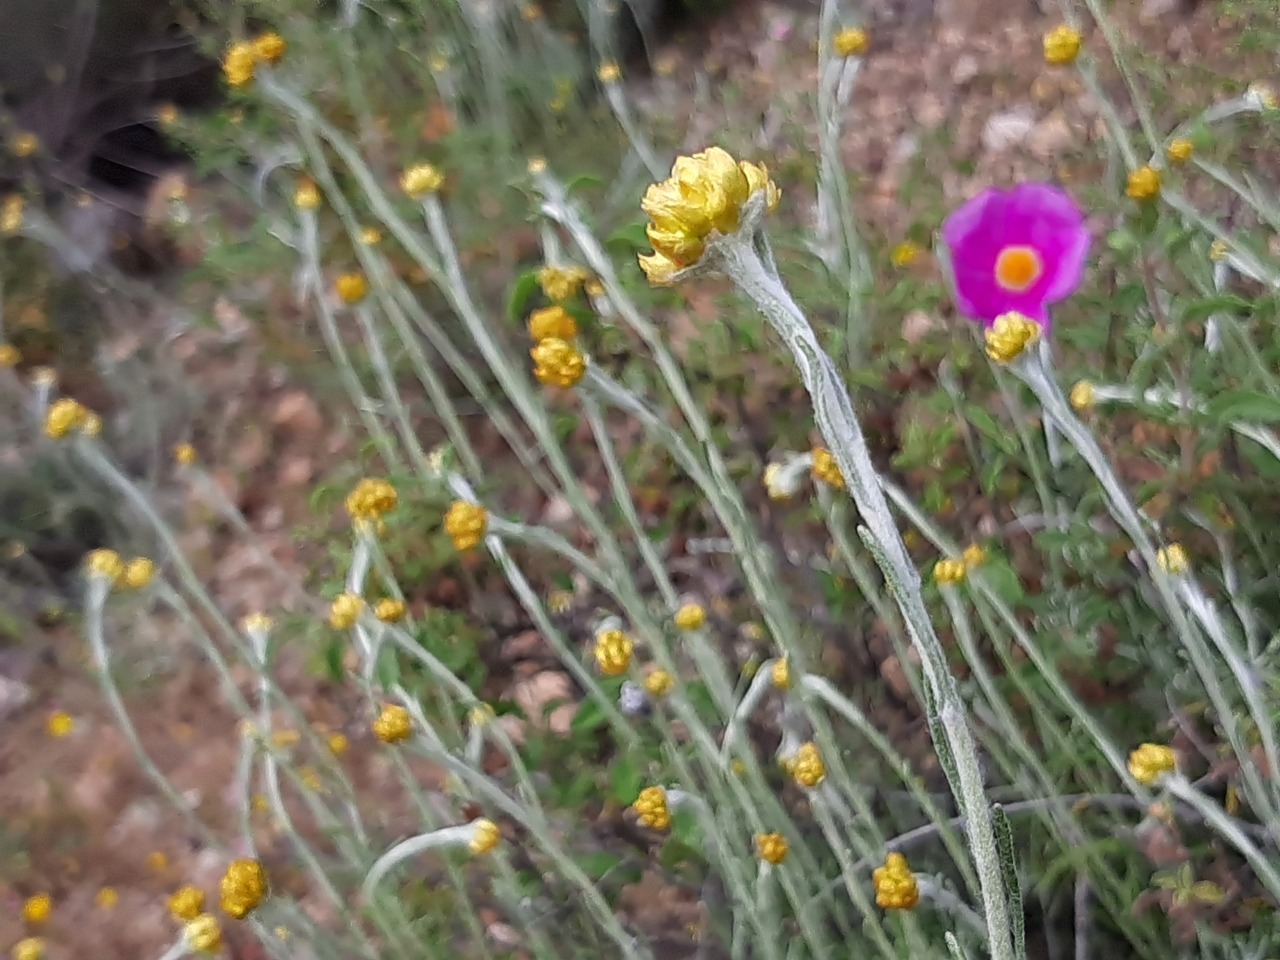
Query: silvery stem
x=833 y=409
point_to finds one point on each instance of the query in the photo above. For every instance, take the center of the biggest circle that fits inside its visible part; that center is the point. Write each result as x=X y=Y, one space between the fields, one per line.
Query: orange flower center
x=1017 y=268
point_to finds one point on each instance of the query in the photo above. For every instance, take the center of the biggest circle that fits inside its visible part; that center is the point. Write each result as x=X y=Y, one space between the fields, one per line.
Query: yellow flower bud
x=851 y=42
x=807 y=767
x=613 y=652
x=552 y=323
x=203 y=934
x=1009 y=335
x=825 y=468
x=895 y=884
x=1143 y=185
x=243 y=887
x=558 y=363
x=485 y=838
x=351 y=288
x=1150 y=762
x=421 y=179
x=1083 y=396
x=1173 y=559
x=691 y=616
x=651 y=808
x=187 y=903
x=466 y=523
x=345 y=611
x=1062 y=46
x=394 y=724
x=239 y=64
x=1179 y=150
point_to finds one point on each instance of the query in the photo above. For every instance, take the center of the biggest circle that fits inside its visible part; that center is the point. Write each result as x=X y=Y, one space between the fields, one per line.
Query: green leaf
x=1206 y=307
x=632 y=236
x=1247 y=405
x=589 y=718
x=526 y=286
x=626 y=778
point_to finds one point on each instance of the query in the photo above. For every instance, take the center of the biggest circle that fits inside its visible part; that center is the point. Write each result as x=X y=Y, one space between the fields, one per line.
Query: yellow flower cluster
x=203 y=933
x=371 y=498
x=1173 y=559
x=613 y=652
x=905 y=254
x=558 y=363
x=394 y=724
x=243 y=887
x=1062 y=46
x=466 y=523
x=421 y=179
x=772 y=847
x=29 y=948
x=10 y=356
x=1179 y=150
x=1083 y=396
x=59 y=725
x=974 y=556
x=37 y=909
x=24 y=144
x=703 y=196
x=825 y=469
x=780 y=674
x=552 y=323
x=187 y=903
x=1009 y=335
x=1150 y=762
x=389 y=610
x=806 y=767
x=561 y=283
x=351 y=288
x=485 y=837
x=1143 y=185
x=345 y=611
x=949 y=572
x=66 y=415
x=652 y=809
x=307 y=196
x=109 y=565
x=658 y=683
x=895 y=884
x=11 y=213
x=851 y=42
x=242 y=59
x=691 y=616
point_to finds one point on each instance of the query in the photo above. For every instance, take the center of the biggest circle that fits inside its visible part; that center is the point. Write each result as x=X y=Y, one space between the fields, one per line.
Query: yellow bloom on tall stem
x=243 y=887
x=1150 y=762
x=895 y=884
x=466 y=523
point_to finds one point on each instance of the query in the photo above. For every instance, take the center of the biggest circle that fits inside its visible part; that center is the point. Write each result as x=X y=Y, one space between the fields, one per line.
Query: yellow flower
x=187 y=903
x=9 y=355
x=690 y=616
x=1144 y=184
x=370 y=236
x=1262 y=96
x=138 y=573
x=561 y=283
x=1009 y=335
x=780 y=674
x=185 y=454
x=1062 y=46
x=338 y=743
x=905 y=254
x=394 y=724
x=1218 y=250
x=851 y=42
x=652 y=809
x=973 y=556
x=31 y=948
x=1150 y=762
x=420 y=180
x=772 y=847
x=37 y=909
x=552 y=323
x=609 y=72
x=371 y=498
x=239 y=63
x=64 y=416
x=826 y=469
x=60 y=724
x=389 y=610
x=270 y=47
x=1179 y=150
x=105 y=564
x=243 y=887
x=947 y=572
x=558 y=363
x=203 y=933
x=158 y=861
x=351 y=288
x=106 y=898
x=306 y=196
x=895 y=884
x=485 y=836
x=167 y=114
x=658 y=683
x=466 y=523
x=284 y=739
x=11 y=213
x=613 y=652
x=1083 y=396
x=807 y=767
x=1173 y=559
x=531 y=13
x=24 y=144
x=257 y=623
x=345 y=611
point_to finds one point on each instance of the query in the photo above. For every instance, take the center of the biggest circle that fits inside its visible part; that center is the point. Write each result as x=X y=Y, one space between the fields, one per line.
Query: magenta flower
x=1016 y=250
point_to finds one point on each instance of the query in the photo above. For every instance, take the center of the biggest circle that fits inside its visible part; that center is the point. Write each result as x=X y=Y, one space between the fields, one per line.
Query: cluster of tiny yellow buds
x=825 y=468
x=974 y=556
x=609 y=72
x=60 y=724
x=1009 y=335
x=466 y=523
x=1062 y=46
x=29 y=948
x=806 y=767
x=850 y=42
x=949 y=571
x=552 y=323
x=1179 y=150
x=106 y=899
x=780 y=673
x=337 y=743
x=531 y=13
x=394 y=724
x=243 y=887
x=257 y=624
x=11 y=213
x=905 y=254
x=691 y=616
x=239 y=63
x=558 y=363
x=1218 y=250
x=185 y=454
x=105 y=564
x=270 y=48
x=187 y=903
x=1150 y=762
x=66 y=415
x=371 y=498
x=560 y=602
x=1083 y=396
x=658 y=683
x=203 y=933
x=24 y=144
x=421 y=179
x=772 y=847
x=561 y=283
x=389 y=610
x=652 y=809
x=139 y=572
x=613 y=652
x=284 y=739
x=306 y=196
x=351 y=288
x=37 y=909
x=481 y=715
x=895 y=884
x=703 y=195
x=370 y=236
x=10 y=356
x=1173 y=559
x=1143 y=184
x=345 y=611
x=485 y=837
